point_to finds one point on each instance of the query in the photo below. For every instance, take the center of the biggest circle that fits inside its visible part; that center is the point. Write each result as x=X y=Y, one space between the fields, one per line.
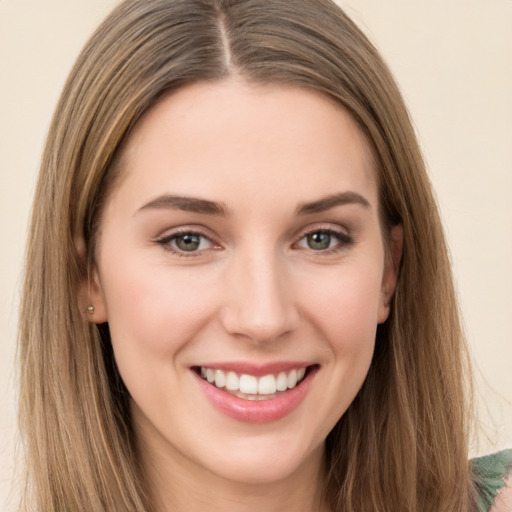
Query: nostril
x=260 y=309
x=259 y=328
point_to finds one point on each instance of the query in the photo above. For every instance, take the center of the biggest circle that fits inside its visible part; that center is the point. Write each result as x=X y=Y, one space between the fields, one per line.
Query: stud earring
x=90 y=310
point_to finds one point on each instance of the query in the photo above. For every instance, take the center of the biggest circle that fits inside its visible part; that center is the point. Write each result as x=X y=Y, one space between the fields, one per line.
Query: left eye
x=322 y=240
x=186 y=242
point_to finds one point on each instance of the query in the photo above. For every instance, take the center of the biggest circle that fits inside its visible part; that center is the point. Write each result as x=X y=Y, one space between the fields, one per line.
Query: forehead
x=267 y=140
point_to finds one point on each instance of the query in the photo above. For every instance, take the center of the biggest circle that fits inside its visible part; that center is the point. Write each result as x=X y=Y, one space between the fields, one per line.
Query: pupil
x=319 y=241
x=187 y=242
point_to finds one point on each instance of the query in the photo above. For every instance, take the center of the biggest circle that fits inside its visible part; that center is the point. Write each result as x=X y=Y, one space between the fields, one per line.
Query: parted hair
x=402 y=446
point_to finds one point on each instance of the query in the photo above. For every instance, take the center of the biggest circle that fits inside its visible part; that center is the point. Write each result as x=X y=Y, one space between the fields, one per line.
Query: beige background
x=453 y=59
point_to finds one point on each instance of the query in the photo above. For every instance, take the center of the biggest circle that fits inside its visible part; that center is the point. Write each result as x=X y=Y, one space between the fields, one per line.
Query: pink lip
x=256 y=411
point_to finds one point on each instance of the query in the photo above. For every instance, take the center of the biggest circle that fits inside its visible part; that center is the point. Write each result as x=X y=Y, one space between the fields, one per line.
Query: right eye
x=186 y=243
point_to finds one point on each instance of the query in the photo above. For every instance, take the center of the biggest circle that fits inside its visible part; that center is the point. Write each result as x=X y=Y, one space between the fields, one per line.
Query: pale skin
x=244 y=227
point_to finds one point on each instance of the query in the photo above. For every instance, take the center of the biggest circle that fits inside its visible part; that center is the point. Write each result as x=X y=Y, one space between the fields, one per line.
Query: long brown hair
x=402 y=444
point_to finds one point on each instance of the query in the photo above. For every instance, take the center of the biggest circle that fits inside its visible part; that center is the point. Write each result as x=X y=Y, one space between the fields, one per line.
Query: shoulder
x=503 y=501
x=492 y=476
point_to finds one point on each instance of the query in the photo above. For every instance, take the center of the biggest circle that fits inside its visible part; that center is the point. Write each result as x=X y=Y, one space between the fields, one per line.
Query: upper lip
x=258 y=370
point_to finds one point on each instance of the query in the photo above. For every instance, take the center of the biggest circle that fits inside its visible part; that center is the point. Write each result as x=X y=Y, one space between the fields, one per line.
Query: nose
x=260 y=301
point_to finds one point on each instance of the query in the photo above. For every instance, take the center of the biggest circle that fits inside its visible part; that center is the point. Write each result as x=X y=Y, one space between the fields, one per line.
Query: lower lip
x=256 y=411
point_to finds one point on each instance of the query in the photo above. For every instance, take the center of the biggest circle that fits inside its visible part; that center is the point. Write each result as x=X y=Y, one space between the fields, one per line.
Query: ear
x=91 y=299
x=390 y=275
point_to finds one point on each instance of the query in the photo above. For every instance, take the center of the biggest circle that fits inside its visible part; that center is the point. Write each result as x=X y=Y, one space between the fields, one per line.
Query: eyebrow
x=206 y=207
x=187 y=204
x=326 y=203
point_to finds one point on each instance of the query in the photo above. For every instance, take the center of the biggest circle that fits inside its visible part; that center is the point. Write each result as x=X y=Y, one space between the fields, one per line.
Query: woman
x=246 y=303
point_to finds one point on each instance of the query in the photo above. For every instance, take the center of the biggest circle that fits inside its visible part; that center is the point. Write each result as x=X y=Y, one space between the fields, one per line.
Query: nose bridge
x=260 y=304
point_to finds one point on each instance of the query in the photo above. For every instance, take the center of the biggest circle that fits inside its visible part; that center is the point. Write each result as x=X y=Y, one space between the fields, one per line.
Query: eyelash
x=166 y=241
x=344 y=241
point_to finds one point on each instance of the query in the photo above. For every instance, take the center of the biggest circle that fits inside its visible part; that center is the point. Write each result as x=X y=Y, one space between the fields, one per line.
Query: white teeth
x=251 y=385
x=220 y=378
x=292 y=379
x=248 y=384
x=282 y=382
x=232 y=381
x=267 y=385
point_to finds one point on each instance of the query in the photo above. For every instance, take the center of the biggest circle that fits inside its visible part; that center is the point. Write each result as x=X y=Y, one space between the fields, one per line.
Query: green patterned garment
x=489 y=473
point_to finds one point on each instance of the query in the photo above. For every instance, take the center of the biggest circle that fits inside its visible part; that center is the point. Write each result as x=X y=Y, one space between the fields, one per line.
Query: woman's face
x=241 y=250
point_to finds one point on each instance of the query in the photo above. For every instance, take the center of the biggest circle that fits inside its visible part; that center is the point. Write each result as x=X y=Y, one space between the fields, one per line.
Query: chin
x=264 y=459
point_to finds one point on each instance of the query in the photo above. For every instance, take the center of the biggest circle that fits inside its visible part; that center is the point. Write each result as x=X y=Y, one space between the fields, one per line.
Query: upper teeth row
x=251 y=385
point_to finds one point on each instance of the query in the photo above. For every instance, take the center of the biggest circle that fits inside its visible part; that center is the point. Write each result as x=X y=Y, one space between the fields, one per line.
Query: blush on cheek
x=154 y=313
x=350 y=297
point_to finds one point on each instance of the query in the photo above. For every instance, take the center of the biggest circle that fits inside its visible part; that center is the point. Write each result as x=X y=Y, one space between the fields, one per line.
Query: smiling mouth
x=251 y=387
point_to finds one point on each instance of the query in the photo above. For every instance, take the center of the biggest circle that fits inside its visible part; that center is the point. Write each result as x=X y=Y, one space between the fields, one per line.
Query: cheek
x=350 y=320
x=346 y=316
x=345 y=305
x=156 y=312
x=344 y=313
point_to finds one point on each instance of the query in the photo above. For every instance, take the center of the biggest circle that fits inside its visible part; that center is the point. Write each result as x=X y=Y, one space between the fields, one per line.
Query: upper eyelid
x=327 y=228
x=177 y=234
x=173 y=232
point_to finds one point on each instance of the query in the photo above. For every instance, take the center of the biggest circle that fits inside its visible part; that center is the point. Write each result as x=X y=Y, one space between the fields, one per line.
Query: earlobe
x=91 y=300
x=391 y=268
x=96 y=310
